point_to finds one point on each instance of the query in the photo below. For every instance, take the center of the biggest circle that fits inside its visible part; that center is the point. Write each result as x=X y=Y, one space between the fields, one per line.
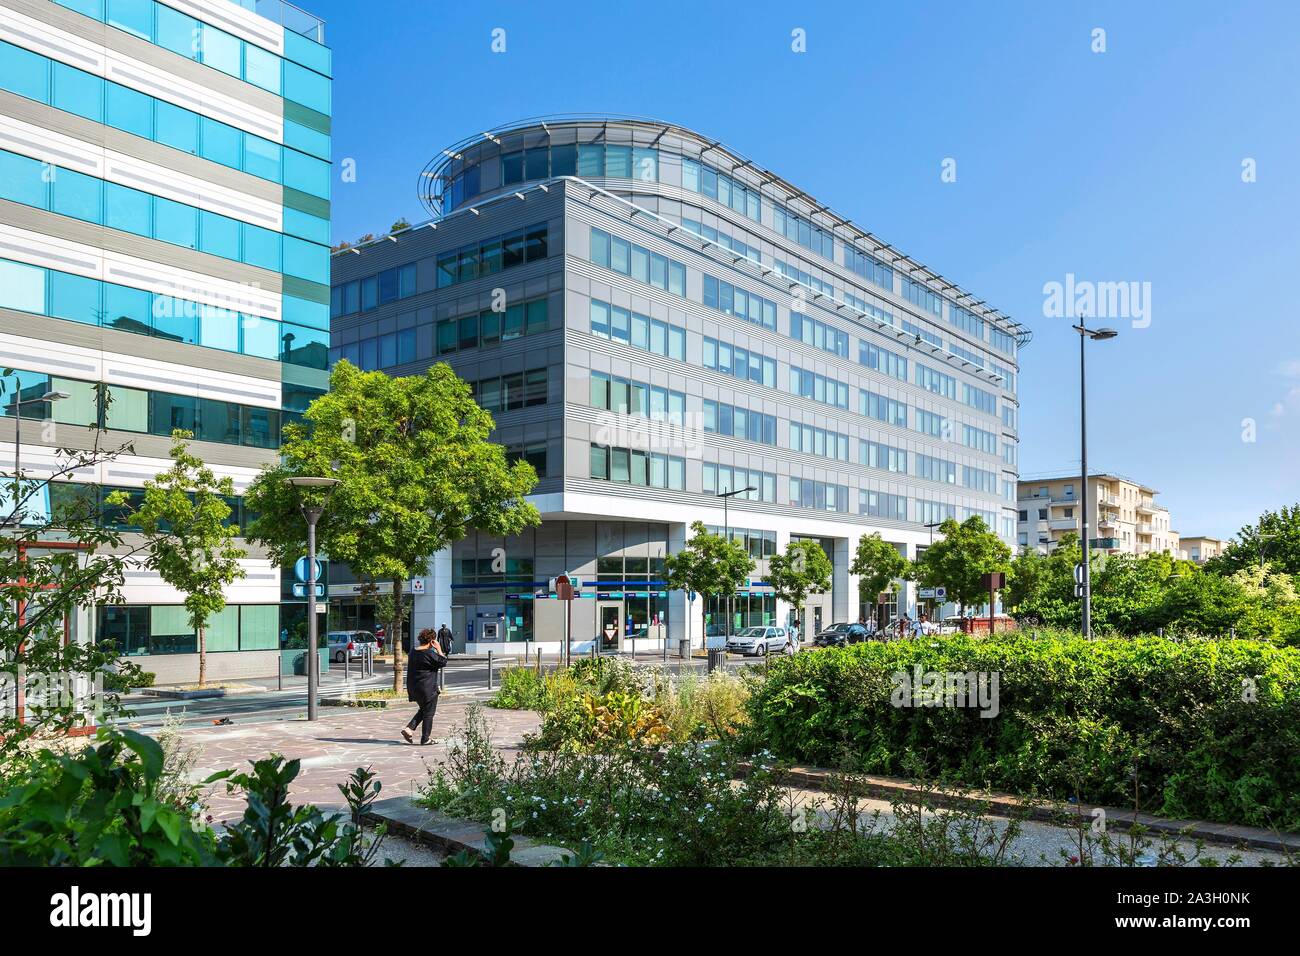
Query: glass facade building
x=164 y=232
x=655 y=320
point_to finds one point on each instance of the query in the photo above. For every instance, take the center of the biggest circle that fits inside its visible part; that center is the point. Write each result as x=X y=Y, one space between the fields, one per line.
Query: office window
x=131 y=112
x=24 y=72
x=78 y=92
x=75 y=297
x=21 y=180
x=133 y=16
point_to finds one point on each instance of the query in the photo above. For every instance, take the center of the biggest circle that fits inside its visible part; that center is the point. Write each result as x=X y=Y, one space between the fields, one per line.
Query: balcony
x=1146 y=506
x=1144 y=528
x=1104 y=544
x=1063 y=524
x=1111 y=501
x=1108 y=521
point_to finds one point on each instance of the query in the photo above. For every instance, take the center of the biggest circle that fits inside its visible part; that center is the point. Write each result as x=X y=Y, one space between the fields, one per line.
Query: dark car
x=838 y=635
x=832 y=636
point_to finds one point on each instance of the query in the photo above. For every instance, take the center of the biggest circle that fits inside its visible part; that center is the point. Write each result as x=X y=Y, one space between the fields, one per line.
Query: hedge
x=1199 y=729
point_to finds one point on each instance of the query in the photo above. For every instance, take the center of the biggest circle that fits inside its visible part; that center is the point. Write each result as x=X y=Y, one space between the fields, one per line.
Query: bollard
x=489 y=670
x=347 y=663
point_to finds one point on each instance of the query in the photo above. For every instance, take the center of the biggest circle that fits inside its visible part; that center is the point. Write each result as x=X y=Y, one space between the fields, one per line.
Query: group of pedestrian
x=428 y=657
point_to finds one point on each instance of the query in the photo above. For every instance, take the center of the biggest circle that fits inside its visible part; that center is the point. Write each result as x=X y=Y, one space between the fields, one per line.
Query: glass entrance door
x=611 y=626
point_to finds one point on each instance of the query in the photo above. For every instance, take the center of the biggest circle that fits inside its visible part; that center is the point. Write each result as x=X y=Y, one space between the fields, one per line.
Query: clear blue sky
x=1119 y=166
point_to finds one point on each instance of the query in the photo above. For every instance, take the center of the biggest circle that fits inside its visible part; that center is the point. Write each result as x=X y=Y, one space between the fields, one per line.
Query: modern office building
x=1123 y=513
x=654 y=319
x=164 y=230
x=1200 y=548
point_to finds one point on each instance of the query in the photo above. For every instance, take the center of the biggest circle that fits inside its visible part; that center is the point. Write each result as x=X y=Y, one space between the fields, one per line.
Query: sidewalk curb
x=402 y=815
x=1007 y=805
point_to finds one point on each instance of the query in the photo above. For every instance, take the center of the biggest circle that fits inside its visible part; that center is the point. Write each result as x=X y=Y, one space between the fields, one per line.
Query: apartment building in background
x=1200 y=548
x=164 y=231
x=654 y=320
x=1124 y=515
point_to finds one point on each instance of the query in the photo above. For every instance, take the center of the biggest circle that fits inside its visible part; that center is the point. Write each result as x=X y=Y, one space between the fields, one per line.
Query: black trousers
x=428 y=708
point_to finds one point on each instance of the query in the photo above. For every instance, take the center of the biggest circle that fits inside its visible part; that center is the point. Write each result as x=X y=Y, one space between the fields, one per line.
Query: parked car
x=951 y=625
x=349 y=643
x=832 y=636
x=758 y=640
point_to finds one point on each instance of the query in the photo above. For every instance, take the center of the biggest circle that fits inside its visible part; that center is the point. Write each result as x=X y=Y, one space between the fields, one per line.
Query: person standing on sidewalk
x=444 y=638
x=422 y=684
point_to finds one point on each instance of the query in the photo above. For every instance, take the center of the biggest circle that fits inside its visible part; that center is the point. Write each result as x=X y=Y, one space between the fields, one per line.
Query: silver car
x=350 y=643
x=758 y=640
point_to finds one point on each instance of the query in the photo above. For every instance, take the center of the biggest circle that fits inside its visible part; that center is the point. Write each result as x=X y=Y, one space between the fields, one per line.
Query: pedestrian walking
x=444 y=638
x=422 y=684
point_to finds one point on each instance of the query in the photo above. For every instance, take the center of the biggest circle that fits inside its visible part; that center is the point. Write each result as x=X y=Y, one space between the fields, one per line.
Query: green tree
x=1274 y=540
x=966 y=552
x=709 y=564
x=877 y=563
x=184 y=518
x=803 y=569
x=44 y=588
x=416 y=472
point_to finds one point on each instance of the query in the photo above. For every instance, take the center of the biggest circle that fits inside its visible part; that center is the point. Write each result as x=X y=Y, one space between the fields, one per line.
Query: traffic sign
x=1078 y=590
x=417 y=585
x=301 y=569
x=1078 y=573
x=941 y=593
x=300 y=590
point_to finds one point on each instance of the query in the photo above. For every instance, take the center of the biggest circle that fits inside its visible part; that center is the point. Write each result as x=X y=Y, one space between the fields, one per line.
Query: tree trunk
x=395 y=635
x=203 y=657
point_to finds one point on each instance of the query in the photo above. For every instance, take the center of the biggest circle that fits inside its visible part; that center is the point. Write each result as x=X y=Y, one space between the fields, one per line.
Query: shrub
x=1188 y=729
x=522 y=688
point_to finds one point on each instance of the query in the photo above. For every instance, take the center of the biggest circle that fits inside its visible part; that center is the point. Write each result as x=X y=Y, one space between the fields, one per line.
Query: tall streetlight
x=726 y=534
x=18 y=403
x=312 y=509
x=1098 y=335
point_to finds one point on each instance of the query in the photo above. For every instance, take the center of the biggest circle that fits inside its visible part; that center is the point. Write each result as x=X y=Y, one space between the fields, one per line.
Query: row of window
x=935 y=381
x=869 y=267
x=629 y=397
x=732 y=300
x=360 y=295
x=879 y=504
x=876 y=454
x=62 y=295
x=637 y=262
x=882 y=360
x=206 y=44
x=138 y=629
x=922 y=296
x=722 y=478
x=591 y=161
x=819 y=335
x=758 y=544
x=739 y=422
x=67 y=499
x=490 y=256
x=798 y=229
x=103 y=101
x=534 y=453
x=818 y=441
x=739 y=363
x=507 y=393
x=881 y=408
x=637 y=467
x=721 y=188
x=936 y=469
x=722 y=238
x=977 y=479
x=819 y=388
x=90 y=199
x=821 y=495
x=640 y=331
x=966 y=320
x=805 y=278
x=146 y=412
x=491 y=327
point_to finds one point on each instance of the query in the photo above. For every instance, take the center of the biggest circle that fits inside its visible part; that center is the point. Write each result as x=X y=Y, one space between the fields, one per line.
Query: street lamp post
x=932 y=525
x=726 y=534
x=311 y=511
x=1098 y=335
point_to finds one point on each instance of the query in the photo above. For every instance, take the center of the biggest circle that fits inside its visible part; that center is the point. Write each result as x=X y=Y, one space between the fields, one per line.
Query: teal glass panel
x=307 y=226
x=301 y=312
x=177 y=127
x=306 y=260
x=261 y=336
x=221 y=50
x=262 y=68
x=76 y=91
x=175 y=223
x=22 y=287
x=21 y=180
x=126 y=309
x=262 y=248
x=262 y=157
x=175 y=320
x=178 y=32
x=218 y=235
x=219 y=143
x=79 y=196
x=307 y=52
x=75 y=297
x=91 y=8
x=24 y=72
x=306 y=87
x=218 y=328
x=133 y=16
x=308 y=140
x=127 y=209
x=306 y=173
x=130 y=111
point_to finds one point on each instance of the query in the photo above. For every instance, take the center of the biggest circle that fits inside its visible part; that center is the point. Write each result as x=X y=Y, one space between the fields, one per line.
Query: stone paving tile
x=337 y=743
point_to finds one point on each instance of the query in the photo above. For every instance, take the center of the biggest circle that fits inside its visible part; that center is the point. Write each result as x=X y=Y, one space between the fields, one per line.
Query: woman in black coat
x=422 y=683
